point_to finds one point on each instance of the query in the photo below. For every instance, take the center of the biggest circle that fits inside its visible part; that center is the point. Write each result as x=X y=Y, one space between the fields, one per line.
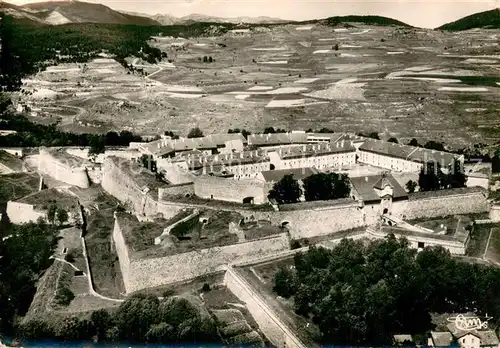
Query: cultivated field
x=399 y=82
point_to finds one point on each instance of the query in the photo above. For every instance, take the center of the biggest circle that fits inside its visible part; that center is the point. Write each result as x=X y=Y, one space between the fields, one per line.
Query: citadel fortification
x=304 y=220
x=142 y=273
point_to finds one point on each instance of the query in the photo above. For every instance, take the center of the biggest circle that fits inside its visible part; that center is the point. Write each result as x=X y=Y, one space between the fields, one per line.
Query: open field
x=399 y=82
x=15 y=186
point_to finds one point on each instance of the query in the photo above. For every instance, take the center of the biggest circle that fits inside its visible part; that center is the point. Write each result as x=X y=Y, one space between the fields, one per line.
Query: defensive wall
x=185 y=190
x=213 y=187
x=146 y=273
x=273 y=328
x=118 y=180
x=442 y=203
x=303 y=220
x=68 y=170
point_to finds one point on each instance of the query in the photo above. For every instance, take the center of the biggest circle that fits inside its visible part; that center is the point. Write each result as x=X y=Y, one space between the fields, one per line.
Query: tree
x=51 y=214
x=10 y=63
x=287 y=190
x=148 y=162
x=414 y=142
x=456 y=175
x=97 y=145
x=284 y=282
x=495 y=163
x=433 y=145
x=210 y=60
x=324 y=186
x=62 y=216
x=205 y=59
x=393 y=140
x=195 y=133
x=411 y=186
x=336 y=47
x=134 y=316
x=101 y=320
x=429 y=177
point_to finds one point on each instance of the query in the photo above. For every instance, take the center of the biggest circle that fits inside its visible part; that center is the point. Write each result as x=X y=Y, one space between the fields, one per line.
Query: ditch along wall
x=146 y=273
x=275 y=330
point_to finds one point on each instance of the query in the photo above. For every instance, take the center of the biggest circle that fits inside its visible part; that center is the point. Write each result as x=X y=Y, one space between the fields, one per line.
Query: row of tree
x=140 y=319
x=320 y=186
x=432 y=177
x=31 y=134
x=361 y=294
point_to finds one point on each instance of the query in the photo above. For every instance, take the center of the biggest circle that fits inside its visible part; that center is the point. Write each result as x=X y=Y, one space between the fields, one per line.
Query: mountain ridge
x=486 y=20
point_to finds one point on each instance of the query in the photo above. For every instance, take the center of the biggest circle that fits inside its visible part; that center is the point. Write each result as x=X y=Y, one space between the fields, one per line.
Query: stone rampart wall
x=270 y=324
x=175 y=190
x=454 y=204
x=141 y=274
x=308 y=223
x=118 y=184
x=227 y=189
x=65 y=172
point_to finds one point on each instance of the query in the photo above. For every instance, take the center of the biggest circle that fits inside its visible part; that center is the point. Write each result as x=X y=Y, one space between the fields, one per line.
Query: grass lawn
x=15 y=186
x=478 y=239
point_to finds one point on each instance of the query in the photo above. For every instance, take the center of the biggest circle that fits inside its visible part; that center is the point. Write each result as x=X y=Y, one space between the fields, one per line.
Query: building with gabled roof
x=402 y=158
x=320 y=155
x=210 y=144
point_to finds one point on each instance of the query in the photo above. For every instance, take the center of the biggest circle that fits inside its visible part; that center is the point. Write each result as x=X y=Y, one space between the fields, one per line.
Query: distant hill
x=369 y=20
x=486 y=20
x=70 y=11
x=20 y=14
x=196 y=18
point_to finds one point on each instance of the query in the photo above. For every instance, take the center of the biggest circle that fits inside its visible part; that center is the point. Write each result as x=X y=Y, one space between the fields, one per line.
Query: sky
x=421 y=13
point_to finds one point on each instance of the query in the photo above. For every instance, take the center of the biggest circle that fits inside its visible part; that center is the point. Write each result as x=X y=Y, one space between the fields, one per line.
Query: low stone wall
x=270 y=324
x=141 y=274
x=22 y=213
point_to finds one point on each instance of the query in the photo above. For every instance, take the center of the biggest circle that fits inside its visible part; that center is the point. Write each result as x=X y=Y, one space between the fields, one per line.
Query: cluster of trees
x=243 y=132
x=140 y=319
x=195 y=133
x=208 y=59
x=57 y=215
x=432 y=177
x=25 y=252
x=30 y=134
x=362 y=294
x=35 y=47
x=321 y=186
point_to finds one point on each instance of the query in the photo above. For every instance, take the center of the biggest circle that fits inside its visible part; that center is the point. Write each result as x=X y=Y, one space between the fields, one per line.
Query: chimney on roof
x=304 y=148
x=342 y=143
x=231 y=155
x=241 y=155
x=159 y=145
x=366 y=178
x=256 y=153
